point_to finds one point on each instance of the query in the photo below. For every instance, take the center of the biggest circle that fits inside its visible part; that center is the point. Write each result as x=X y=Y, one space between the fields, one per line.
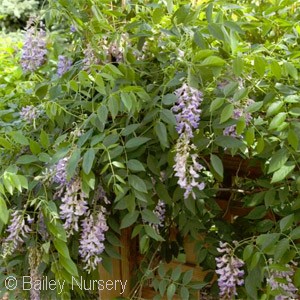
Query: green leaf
x=102 y=113
x=260 y=145
x=293 y=139
x=248 y=252
x=176 y=273
x=4 y=213
x=282 y=173
x=136 y=142
x=135 y=165
x=69 y=265
x=5 y=143
x=291 y=70
x=278 y=160
x=152 y=233
x=130 y=129
x=216 y=31
x=254 y=107
x=27 y=159
x=213 y=61
x=100 y=84
x=34 y=147
x=184 y=293
x=217 y=164
x=168 y=117
x=19 y=138
x=127 y=100
x=238 y=66
x=215 y=104
x=73 y=163
x=275 y=69
x=295 y=234
x=157 y=15
x=129 y=219
x=61 y=247
x=286 y=222
x=277 y=121
x=257 y=213
x=150 y=216
x=187 y=277
x=250 y=136
x=41 y=91
x=161 y=132
x=44 y=139
x=281 y=248
x=88 y=160
x=228 y=142
x=137 y=183
x=274 y=108
x=226 y=112
x=171 y=291
x=260 y=65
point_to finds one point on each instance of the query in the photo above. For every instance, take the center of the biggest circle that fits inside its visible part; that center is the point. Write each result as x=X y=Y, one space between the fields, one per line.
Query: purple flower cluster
x=238 y=113
x=34 y=49
x=64 y=65
x=282 y=282
x=60 y=171
x=187 y=112
x=229 y=271
x=159 y=211
x=92 y=238
x=73 y=206
x=29 y=113
x=17 y=232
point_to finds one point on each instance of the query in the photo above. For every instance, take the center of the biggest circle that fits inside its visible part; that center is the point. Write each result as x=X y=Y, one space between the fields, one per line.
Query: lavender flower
x=73 y=206
x=17 y=232
x=281 y=281
x=34 y=49
x=187 y=168
x=92 y=238
x=187 y=110
x=60 y=171
x=29 y=113
x=64 y=65
x=230 y=274
x=159 y=211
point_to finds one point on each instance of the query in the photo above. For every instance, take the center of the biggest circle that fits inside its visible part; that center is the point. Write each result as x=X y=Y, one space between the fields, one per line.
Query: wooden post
x=121 y=269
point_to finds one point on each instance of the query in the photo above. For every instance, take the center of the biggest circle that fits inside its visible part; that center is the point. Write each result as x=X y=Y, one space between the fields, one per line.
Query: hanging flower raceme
x=64 y=64
x=17 y=230
x=73 y=206
x=34 y=49
x=92 y=239
x=282 y=282
x=186 y=166
x=229 y=271
x=89 y=59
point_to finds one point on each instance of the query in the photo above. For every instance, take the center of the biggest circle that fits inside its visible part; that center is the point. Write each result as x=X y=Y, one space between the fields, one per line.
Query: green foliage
x=113 y=120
